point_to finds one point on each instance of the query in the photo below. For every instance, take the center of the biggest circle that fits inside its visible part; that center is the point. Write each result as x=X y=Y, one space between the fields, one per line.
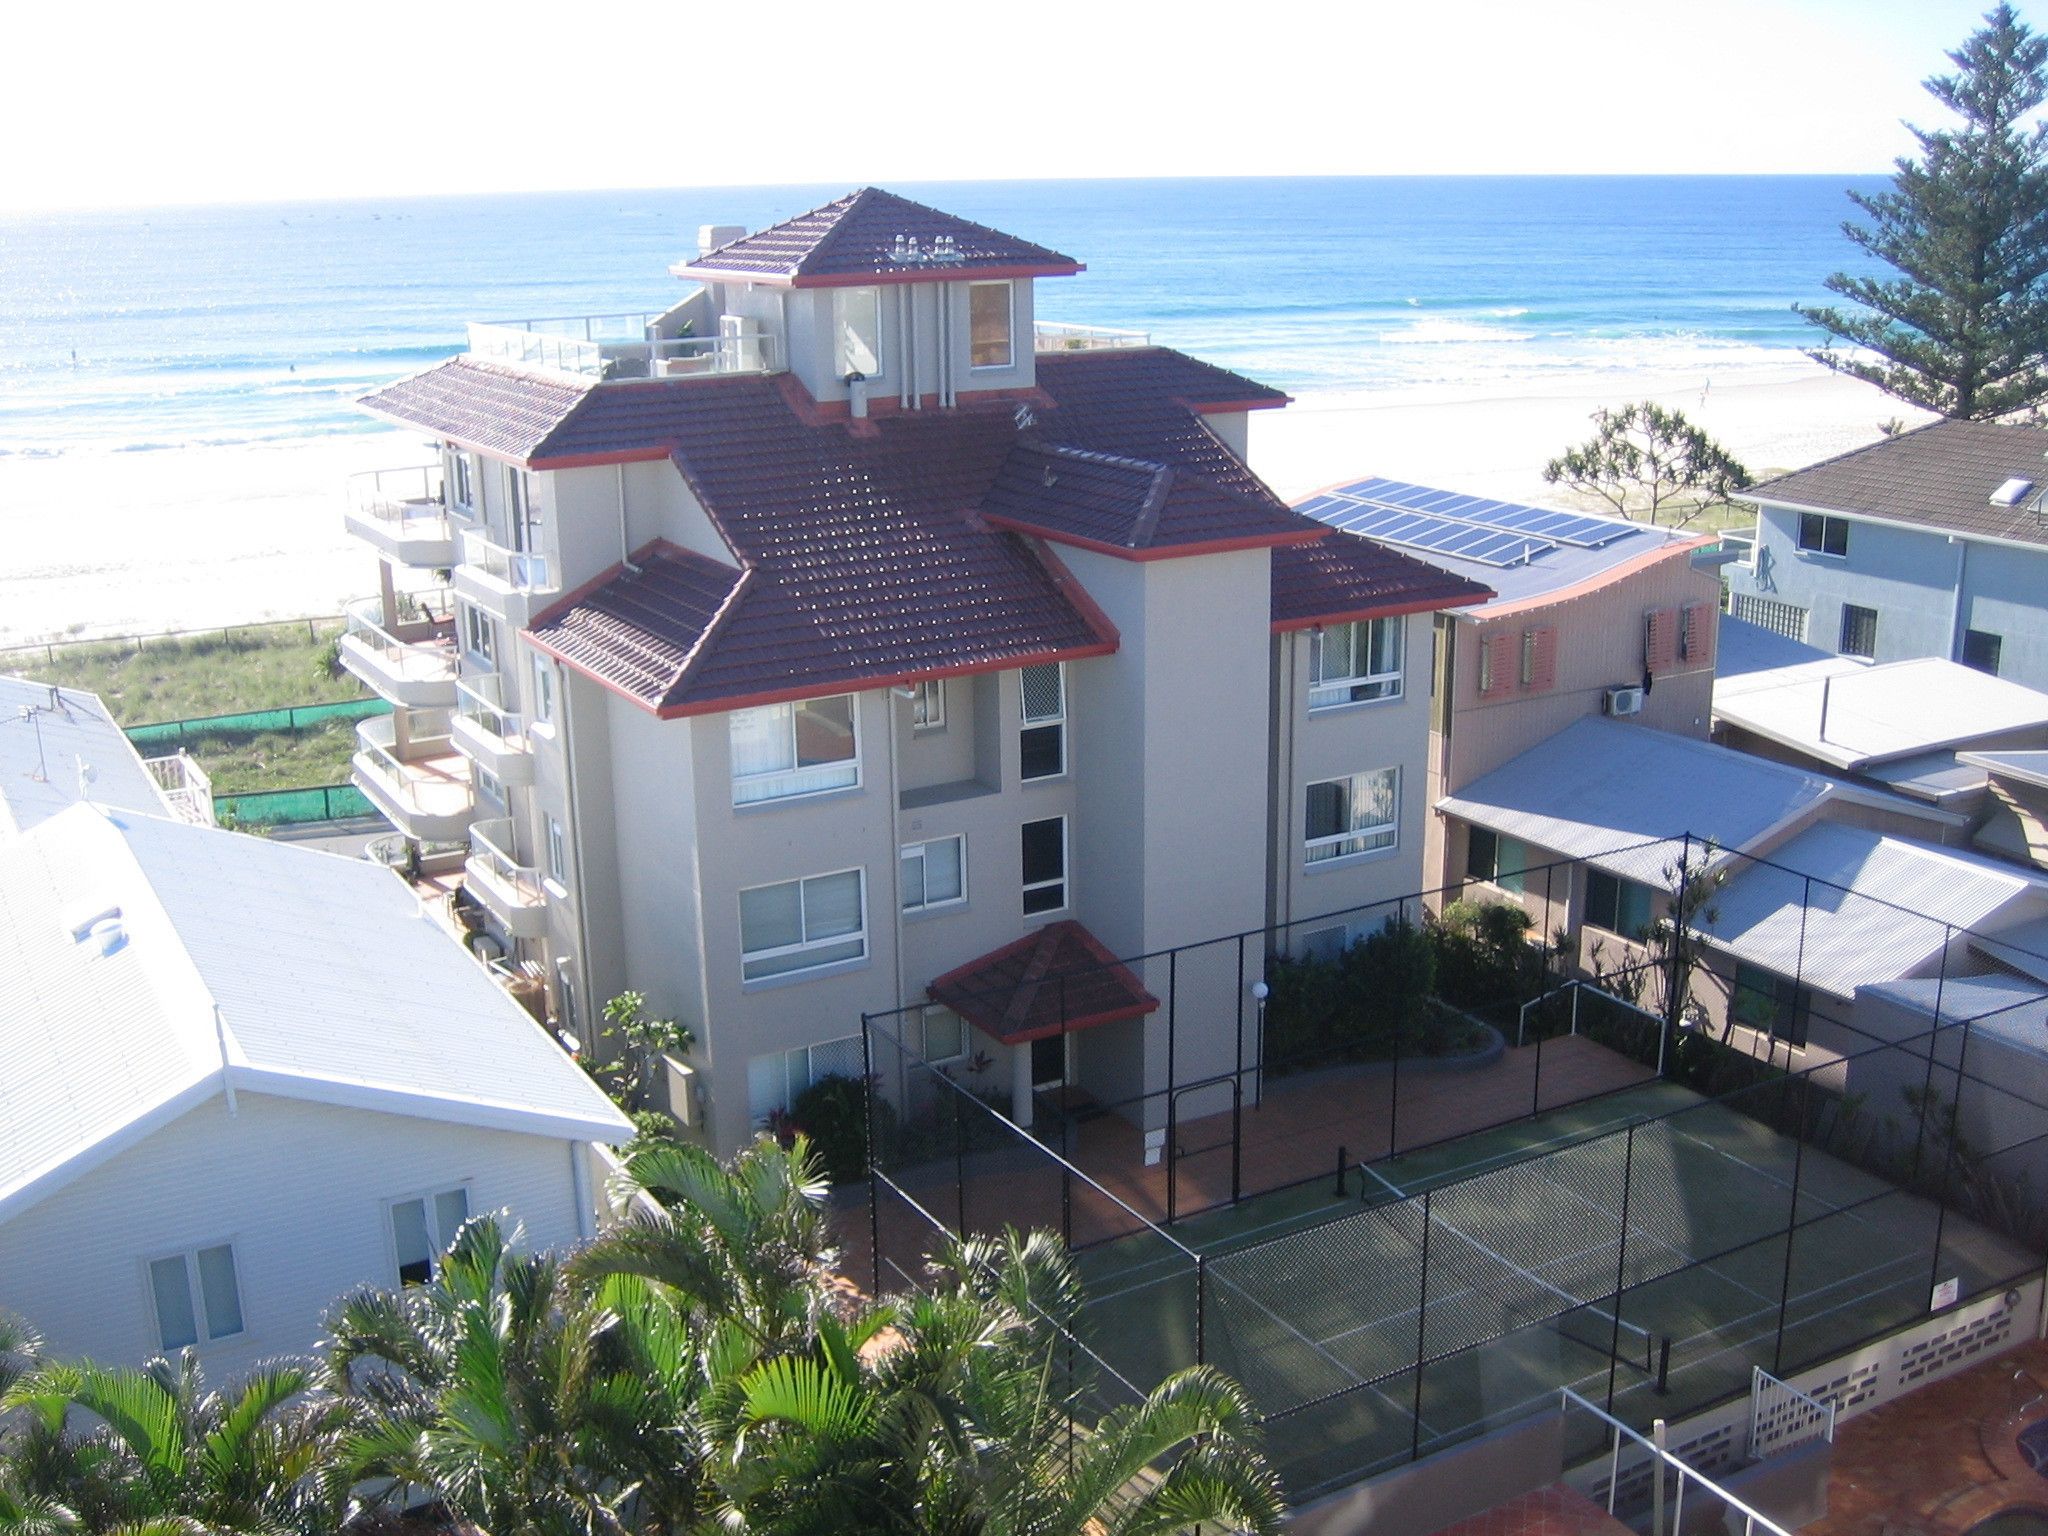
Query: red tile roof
x=860 y=558
x=1345 y=577
x=493 y=409
x=1131 y=507
x=1051 y=982
x=854 y=239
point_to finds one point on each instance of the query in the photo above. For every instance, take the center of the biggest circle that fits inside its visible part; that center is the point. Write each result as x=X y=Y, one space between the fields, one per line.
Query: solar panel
x=1574 y=528
x=1443 y=535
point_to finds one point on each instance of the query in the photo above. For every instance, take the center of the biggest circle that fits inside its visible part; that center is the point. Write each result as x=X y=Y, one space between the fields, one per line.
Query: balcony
x=510 y=891
x=422 y=783
x=1051 y=336
x=186 y=789
x=412 y=662
x=612 y=347
x=400 y=513
x=488 y=734
x=499 y=580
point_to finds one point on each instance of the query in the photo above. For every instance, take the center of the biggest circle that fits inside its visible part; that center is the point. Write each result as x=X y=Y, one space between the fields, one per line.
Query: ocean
x=173 y=327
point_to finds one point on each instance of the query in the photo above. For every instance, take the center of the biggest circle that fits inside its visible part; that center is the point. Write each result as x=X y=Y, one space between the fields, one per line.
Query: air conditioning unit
x=1623 y=701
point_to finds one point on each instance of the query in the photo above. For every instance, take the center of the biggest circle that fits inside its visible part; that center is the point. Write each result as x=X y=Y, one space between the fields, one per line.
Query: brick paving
x=1553 y=1511
x=1939 y=1460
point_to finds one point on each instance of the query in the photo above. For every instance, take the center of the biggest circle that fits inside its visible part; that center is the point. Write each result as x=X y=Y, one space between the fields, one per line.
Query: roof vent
x=102 y=929
x=2012 y=493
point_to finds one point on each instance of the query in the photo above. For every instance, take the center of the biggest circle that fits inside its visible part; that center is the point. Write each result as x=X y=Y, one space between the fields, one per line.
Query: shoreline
x=113 y=543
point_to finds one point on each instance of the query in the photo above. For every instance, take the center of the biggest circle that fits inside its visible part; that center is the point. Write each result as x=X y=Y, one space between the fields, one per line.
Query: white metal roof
x=1599 y=788
x=1873 y=714
x=48 y=737
x=246 y=964
x=2008 y=1008
x=1877 y=907
x=2026 y=767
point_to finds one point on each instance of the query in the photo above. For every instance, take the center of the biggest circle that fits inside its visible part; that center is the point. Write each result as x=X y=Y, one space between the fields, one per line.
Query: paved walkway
x=1553 y=1511
x=1939 y=1460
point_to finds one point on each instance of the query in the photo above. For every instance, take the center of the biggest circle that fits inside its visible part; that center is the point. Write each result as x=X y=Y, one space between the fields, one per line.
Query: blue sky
x=231 y=101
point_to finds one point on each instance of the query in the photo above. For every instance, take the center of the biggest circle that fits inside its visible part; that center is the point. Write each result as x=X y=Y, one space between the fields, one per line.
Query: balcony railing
x=1052 y=336
x=430 y=653
x=517 y=569
x=489 y=843
x=1740 y=543
x=480 y=701
x=431 y=779
x=185 y=787
x=408 y=501
x=621 y=347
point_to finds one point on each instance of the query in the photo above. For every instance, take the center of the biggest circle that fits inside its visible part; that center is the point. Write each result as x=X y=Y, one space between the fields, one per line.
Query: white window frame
x=914 y=852
x=924 y=1021
x=437 y=1243
x=928 y=705
x=1065 y=883
x=470 y=617
x=1009 y=308
x=798 y=781
x=462 y=482
x=782 y=1060
x=557 y=853
x=1799 y=535
x=1029 y=722
x=1358 y=841
x=836 y=940
x=842 y=363
x=1337 y=692
x=543 y=690
x=195 y=1295
x=488 y=784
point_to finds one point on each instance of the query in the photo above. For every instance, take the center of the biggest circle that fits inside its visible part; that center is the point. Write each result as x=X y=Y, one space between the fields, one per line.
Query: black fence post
x=1933 y=1045
x=867 y=1071
x=1791 y=1227
x=959 y=1166
x=1628 y=1169
x=1421 y=1327
x=1536 y=1080
x=1201 y=1309
x=1948 y=1165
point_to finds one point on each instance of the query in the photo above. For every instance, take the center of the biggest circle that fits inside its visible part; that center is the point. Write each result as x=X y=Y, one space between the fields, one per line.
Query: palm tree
x=527 y=1402
x=745 y=1244
x=162 y=1454
x=953 y=1412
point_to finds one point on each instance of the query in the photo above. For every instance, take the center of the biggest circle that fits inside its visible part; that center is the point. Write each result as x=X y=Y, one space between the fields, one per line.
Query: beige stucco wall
x=812 y=354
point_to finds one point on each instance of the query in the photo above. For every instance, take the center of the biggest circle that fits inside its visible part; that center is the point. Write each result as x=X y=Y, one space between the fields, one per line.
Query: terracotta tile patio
x=1553 y=1511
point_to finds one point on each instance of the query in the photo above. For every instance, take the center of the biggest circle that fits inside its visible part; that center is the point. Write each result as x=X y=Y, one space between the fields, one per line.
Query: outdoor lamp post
x=1260 y=992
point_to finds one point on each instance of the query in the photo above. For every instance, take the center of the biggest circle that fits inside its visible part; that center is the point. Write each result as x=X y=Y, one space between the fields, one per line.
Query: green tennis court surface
x=1657 y=1265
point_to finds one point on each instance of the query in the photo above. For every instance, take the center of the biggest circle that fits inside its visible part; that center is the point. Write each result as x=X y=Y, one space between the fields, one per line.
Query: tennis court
x=1649 y=1266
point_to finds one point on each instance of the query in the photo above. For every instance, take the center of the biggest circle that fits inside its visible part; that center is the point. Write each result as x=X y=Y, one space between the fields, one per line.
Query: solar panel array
x=1498 y=533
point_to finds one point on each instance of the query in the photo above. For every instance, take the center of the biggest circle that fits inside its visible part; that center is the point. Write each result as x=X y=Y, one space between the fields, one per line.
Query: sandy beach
x=122 y=543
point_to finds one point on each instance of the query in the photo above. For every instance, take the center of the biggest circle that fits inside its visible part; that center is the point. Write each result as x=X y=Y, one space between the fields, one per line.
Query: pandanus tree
x=953 y=1411
x=153 y=1452
x=526 y=1401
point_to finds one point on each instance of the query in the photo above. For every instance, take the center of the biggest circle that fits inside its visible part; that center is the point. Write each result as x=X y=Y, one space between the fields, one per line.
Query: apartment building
x=1590 y=616
x=1930 y=543
x=845 y=629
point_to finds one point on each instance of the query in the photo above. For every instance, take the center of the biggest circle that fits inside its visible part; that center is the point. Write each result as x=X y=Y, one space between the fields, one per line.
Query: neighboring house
x=1896 y=725
x=1930 y=543
x=244 y=1077
x=845 y=628
x=1586 y=829
x=60 y=745
x=1591 y=615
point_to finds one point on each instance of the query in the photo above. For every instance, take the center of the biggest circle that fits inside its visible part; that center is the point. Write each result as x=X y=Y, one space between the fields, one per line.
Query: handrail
x=478 y=699
x=1753 y=1520
x=488 y=846
x=520 y=569
x=405 y=495
x=185 y=786
x=623 y=355
x=377 y=739
x=1059 y=336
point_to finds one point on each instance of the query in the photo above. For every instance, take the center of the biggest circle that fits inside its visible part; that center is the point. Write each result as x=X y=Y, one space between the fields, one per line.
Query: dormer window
x=857 y=329
x=991 y=341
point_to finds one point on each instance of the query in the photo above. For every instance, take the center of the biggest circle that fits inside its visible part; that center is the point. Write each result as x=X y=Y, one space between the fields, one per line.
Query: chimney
x=711 y=236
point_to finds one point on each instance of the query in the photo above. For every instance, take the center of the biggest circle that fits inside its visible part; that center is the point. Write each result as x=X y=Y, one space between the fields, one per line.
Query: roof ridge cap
x=693 y=660
x=834 y=232
x=1155 y=502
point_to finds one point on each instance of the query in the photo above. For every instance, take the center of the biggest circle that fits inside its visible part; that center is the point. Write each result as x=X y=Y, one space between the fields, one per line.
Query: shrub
x=833 y=1112
x=1483 y=954
x=1369 y=1003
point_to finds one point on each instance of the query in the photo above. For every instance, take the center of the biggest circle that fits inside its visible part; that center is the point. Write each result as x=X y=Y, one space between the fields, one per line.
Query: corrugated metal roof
x=46 y=735
x=1874 y=714
x=331 y=986
x=1877 y=907
x=2007 y=1007
x=1600 y=787
x=1940 y=475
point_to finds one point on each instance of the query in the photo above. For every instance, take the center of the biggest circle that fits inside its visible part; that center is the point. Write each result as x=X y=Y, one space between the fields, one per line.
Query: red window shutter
x=1660 y=638
x=1539 y=659
x=1698 y=633
x=1496 y=664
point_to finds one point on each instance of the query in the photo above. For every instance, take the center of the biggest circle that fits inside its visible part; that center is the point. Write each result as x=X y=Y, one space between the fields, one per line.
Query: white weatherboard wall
x=298 y=1188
